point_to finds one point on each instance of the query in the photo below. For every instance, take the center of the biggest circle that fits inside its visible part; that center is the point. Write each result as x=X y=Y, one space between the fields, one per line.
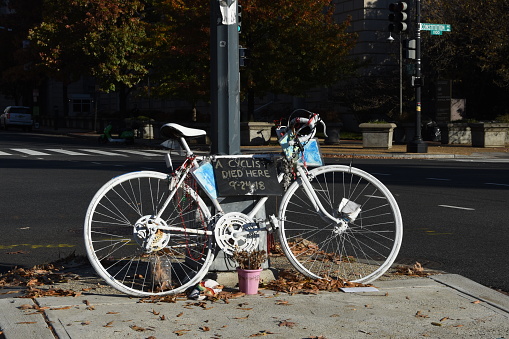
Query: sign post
x=224 y=83
x=417 y=145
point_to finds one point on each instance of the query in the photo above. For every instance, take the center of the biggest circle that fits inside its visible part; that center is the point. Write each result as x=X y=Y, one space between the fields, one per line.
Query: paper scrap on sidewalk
x=359 y=289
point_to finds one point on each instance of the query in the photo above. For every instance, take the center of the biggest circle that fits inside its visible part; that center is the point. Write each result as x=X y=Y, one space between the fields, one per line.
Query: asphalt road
x=455 y=213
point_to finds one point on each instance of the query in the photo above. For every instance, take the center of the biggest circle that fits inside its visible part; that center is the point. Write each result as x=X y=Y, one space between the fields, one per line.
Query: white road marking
x=63 y=151
x=138 y=153
x=494 y=183
x=28 y=151
x=96 y=151
x=458 y=207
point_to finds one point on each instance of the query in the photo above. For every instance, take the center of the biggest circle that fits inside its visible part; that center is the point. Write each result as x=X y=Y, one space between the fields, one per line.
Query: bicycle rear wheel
x=359 y=248
x=129 y=252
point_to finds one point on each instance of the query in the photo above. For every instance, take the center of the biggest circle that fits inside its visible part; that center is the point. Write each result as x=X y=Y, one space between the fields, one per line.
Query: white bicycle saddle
x=172 y=130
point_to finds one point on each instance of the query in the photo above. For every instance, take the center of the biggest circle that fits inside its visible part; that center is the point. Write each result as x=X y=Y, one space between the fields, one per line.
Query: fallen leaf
x=434 y=323
x=26 y=307
x=476 y=302
x=112 y=312
x=247 y=316
x=138 y=328
x=287 y=323
x=420 y=315
x=109 y=324
x=205 y=328
x=85 y=323
x=27 y=322
x=60 y=308
x=162 y=317
x=180 y=332
x=180 y=314
x=443 y=319
x=155 y=313
x=261 y=334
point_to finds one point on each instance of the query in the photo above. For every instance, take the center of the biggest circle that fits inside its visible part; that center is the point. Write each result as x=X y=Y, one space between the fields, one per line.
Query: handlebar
x=299 y=124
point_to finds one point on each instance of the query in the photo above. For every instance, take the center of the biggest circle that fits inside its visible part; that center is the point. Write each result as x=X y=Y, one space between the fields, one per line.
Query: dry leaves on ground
x=416 y=270
x=295 y=283
x=40 y=275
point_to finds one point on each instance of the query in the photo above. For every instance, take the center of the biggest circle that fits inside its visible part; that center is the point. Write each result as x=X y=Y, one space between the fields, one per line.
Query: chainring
x=235 y=231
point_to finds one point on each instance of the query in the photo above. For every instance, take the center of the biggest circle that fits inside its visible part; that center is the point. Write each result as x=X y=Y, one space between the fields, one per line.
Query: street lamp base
x=417 y=146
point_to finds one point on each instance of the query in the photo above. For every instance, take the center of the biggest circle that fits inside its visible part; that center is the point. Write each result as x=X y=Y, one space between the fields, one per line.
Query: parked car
x=18 y=116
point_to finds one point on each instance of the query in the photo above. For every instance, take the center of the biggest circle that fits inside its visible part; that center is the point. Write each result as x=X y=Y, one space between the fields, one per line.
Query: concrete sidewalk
x=441 y=306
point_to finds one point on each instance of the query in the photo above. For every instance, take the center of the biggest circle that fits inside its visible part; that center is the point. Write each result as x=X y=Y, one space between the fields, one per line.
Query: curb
x=475 y=290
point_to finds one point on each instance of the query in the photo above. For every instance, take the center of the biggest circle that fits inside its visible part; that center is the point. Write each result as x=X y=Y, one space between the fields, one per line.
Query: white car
x=19 y=116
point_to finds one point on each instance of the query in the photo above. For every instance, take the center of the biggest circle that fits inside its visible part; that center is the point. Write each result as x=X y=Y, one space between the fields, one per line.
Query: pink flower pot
x=249 y=280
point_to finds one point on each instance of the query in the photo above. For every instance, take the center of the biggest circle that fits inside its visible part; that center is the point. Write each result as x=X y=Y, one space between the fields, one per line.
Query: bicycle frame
x=327 y=223
x=193 y=161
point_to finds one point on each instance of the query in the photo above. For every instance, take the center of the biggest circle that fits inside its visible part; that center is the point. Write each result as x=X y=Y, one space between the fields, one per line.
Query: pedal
x=273 y=222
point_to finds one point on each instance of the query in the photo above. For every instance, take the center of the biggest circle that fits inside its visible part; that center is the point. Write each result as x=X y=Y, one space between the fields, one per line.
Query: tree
x=105 y=39
x=474 y=53
x=180 y=55
x=294 y=45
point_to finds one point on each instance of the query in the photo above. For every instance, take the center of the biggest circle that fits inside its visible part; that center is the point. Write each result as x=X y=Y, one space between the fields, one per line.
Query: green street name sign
x=434 y=28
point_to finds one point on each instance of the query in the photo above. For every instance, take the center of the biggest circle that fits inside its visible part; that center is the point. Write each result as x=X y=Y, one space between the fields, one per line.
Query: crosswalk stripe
x=162 y=151
x=28 y=151
x=4 y=153
x=138 y=153
x=101 y=152
x=63 y=151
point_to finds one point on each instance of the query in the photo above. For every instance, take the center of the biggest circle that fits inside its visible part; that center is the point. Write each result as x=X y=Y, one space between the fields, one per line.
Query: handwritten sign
x=246 y=176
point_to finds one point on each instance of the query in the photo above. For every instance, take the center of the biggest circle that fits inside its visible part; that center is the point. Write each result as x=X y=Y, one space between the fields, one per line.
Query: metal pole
x=225 y=83
x=400 y=75
x=417 y=145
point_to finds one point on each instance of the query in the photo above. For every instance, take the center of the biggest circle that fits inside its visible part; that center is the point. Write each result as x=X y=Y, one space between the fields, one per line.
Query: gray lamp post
x=225 y=82
x=417 y=145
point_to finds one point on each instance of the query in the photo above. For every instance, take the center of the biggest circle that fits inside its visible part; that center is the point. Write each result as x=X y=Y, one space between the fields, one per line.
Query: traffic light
x=398 y=16
x=409 y=48
x=239 y=18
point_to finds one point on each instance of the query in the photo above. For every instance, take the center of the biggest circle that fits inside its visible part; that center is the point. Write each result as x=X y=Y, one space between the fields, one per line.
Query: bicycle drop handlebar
x=302 y=126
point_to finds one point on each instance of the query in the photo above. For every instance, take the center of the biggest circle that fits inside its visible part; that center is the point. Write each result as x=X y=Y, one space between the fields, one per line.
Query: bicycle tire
x=360 y=250
x=116 y=235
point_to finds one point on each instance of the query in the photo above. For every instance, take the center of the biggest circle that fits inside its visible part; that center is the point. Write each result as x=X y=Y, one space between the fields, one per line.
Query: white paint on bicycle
x=235 y=231
x=149 y=235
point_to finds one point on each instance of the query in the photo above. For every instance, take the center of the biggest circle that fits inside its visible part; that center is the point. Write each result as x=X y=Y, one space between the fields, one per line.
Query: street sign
x=436 y=32
x=435 y=28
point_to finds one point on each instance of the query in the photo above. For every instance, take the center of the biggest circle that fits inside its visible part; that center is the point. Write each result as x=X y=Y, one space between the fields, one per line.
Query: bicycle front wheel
x=128 y=246
x=362 y=242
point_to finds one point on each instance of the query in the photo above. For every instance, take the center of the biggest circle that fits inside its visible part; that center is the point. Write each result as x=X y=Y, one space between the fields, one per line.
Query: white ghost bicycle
x=152 y=233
